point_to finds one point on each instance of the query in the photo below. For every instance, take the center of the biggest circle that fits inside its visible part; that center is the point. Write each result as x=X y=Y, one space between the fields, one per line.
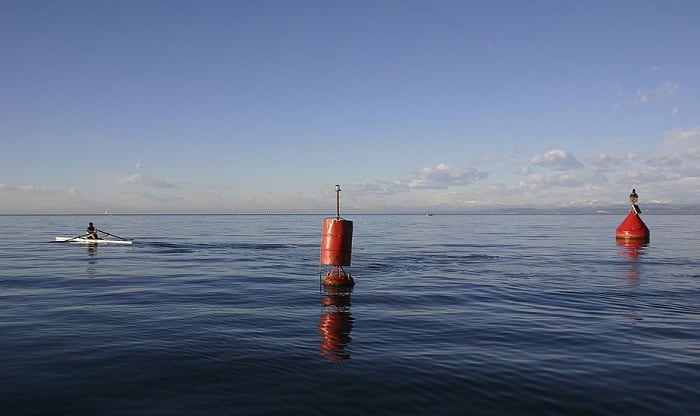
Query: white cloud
x=643 y=97
x=149 y=199
x=657 y=95
x=377 y=187
x=605 y=162
x=666 y=162
x=26 y=189
x=444 y=175
x=666 y=89
x=538 y=182
x=646 y=96
x=680 y=157
x=676 y=166
x=40 y=191
x=140 y=179
x=39 y=199
x=557 y=159
x=683 y=137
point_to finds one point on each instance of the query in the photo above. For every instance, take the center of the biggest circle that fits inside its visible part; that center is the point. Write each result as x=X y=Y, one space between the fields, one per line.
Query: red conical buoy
x=336 y=247
x=633 y=227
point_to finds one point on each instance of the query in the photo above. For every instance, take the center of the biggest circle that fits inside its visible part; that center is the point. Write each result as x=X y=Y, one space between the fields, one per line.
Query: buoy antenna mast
x=337 y=201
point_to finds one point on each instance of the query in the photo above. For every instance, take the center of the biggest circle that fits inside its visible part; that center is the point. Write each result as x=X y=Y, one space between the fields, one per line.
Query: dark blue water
x=450 y=315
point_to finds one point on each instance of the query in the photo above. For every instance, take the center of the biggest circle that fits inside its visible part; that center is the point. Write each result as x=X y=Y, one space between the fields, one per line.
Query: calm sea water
x=450 y=315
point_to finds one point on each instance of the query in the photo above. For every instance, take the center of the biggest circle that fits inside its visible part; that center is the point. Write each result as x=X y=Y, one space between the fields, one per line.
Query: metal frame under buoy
x=336 y=247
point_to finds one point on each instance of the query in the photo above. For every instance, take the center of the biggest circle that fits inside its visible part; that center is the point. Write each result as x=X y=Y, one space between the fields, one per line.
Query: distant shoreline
x=616 y=211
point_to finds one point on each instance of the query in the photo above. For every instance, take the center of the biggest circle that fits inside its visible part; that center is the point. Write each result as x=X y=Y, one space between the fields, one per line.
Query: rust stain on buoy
x=633 y=227
x=336 y=247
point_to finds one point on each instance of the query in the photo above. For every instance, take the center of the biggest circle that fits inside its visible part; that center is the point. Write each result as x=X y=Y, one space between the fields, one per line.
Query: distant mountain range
x=648 y=209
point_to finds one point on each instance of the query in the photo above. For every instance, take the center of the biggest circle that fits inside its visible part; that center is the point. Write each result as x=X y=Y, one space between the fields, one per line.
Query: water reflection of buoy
x=632 y=248
x=336 y=247
x=633 y=227
x=335 y=324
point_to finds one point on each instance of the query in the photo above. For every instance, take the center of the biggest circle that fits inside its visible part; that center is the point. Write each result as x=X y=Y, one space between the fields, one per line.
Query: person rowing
x=92 y=236
x=92 y=232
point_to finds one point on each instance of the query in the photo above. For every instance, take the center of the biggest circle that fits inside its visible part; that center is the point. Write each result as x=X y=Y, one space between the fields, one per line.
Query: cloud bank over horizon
x=552 y=178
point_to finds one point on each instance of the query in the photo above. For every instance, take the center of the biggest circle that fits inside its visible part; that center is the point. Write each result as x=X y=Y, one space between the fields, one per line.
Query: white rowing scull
x=91 y=240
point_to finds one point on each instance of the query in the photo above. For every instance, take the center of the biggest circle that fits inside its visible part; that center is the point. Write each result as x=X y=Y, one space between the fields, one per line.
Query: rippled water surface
x=450 y=315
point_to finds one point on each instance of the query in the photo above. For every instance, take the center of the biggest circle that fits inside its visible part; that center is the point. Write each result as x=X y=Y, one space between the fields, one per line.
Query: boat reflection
x=92 y=259
x=335 y=324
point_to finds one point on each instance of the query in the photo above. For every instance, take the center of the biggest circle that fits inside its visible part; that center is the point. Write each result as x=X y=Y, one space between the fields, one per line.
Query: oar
x=80 y=236
x=105 y=232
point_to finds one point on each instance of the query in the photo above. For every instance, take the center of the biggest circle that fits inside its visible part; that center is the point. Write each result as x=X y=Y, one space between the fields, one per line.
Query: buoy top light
x=634 y=198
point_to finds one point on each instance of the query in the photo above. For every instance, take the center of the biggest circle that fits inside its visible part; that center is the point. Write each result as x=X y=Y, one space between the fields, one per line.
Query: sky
x=409 y=105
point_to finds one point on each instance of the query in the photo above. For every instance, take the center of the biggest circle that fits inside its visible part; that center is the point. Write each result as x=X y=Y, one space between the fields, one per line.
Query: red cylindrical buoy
x=633 y=227
x=336 y=242
x=336 y=247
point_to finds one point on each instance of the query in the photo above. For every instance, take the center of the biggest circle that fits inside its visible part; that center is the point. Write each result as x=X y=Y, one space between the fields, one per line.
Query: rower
x=91 y=232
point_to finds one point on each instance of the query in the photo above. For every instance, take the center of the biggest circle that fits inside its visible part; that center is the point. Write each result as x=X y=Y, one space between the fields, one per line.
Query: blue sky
x=256 y=106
